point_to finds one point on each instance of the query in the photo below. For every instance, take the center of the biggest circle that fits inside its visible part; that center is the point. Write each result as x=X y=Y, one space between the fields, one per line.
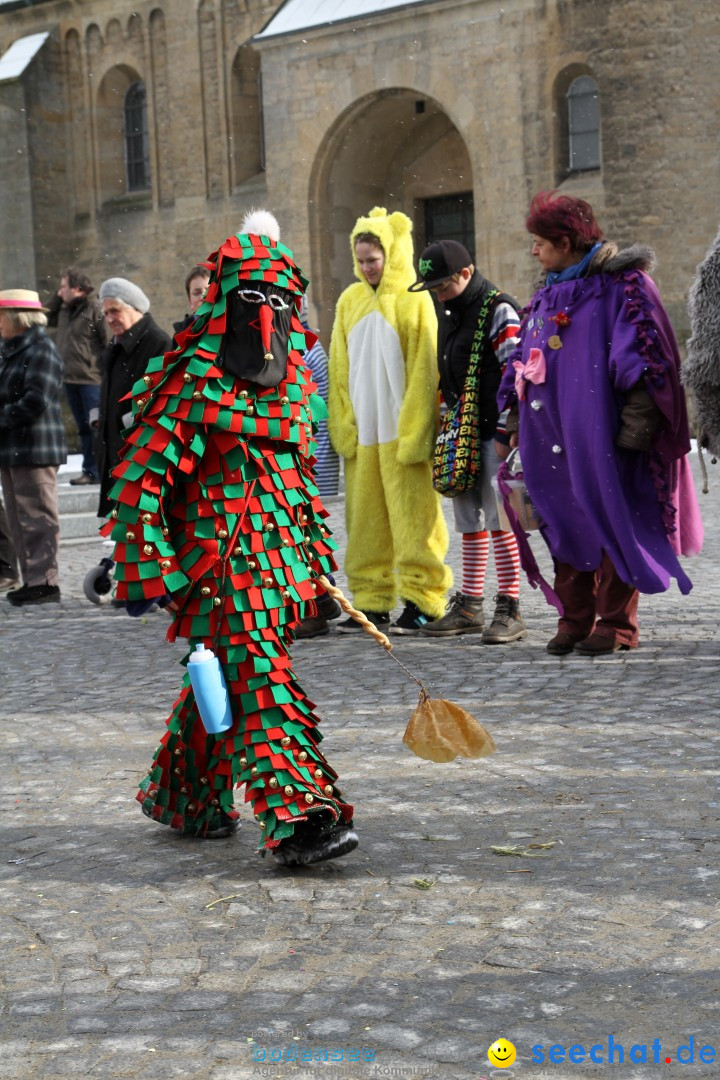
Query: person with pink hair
x=603 y=432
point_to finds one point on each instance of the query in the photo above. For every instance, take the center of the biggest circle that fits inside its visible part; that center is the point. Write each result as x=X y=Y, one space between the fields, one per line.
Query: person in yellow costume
x=383 y=408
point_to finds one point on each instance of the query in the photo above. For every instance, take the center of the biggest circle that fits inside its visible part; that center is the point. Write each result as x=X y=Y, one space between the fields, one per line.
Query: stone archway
x=395 y=148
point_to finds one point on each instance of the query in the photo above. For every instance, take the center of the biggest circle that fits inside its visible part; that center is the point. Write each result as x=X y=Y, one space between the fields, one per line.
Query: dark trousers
x=7 y=551
x=81 y=399
x=597 y=601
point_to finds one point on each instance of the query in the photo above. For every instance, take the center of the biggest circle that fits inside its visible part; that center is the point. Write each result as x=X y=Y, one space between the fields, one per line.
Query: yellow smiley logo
x=501 y=1054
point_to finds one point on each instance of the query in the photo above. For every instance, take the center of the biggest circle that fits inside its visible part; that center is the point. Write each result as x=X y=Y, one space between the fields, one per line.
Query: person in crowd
x=701 y=370
x=81 y=336
x=327 y=477
x=383 y=413
x=32 y=444
x=474 y=317
x=217 y=511
x=8 y=559
x=603 y=431
x=196 y=284
x=136 y=338
x=327 y=462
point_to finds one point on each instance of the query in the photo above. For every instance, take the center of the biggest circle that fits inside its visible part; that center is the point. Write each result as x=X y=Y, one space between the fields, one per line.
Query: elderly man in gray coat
x=136 y=338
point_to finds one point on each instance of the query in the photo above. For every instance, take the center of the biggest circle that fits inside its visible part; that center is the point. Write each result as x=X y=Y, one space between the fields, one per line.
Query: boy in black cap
x=472 y=312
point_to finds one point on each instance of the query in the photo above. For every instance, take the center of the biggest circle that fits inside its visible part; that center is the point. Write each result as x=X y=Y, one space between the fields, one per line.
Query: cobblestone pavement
x=130 y=952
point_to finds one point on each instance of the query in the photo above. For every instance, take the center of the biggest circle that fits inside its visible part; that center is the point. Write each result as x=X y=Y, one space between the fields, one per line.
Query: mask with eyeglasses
x=257 y=310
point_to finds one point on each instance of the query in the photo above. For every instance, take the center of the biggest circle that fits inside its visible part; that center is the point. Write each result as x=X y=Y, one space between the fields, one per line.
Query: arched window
x=583 y=100
x=137 y=146
x=248 y=142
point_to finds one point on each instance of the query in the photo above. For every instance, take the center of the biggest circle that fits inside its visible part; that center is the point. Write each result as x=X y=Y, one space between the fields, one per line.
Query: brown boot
x=562 y=644
x=464 y=616
x=507 y=625
x=599 y=645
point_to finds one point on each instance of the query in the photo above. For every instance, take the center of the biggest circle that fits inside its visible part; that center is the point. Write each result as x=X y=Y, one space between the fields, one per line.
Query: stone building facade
x=137 y=134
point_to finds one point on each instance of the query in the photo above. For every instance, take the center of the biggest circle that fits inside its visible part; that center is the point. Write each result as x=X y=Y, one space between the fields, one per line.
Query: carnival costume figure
x=383 y=419
x=217 y=512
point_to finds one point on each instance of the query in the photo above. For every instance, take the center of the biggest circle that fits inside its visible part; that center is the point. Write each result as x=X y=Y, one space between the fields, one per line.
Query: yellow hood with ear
x=394 y=231
x=398 y=318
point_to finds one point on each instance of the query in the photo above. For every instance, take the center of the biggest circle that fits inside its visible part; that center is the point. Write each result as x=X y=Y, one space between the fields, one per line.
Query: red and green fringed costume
x=216 y=506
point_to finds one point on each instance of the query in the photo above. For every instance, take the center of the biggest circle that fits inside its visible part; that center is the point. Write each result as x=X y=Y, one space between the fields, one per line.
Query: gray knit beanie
x=119 y=288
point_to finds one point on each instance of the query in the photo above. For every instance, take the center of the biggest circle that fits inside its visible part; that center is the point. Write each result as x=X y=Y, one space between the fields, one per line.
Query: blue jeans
x=81 y=399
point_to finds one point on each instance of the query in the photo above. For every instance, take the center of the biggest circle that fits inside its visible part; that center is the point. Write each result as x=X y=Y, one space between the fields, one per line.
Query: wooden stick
x=358 y=616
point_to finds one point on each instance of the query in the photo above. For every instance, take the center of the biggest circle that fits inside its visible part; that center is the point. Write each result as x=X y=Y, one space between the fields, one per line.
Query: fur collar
x=610 y=260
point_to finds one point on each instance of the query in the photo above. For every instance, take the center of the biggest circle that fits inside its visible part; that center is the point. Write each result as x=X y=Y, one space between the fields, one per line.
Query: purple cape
x=592 y=496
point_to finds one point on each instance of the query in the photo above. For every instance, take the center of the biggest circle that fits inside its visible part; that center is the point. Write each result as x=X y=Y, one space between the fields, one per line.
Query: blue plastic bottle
x=211 y=696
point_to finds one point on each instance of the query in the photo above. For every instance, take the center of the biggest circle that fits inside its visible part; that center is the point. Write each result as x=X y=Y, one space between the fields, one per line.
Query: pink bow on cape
x=533 y=371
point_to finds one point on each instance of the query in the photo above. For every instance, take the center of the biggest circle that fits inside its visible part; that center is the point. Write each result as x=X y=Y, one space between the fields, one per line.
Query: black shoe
x=8 y=577
x=84 y=478
x=34 y=594
x=411 y=621
x=312 y=626
x=328 y=608
x=315 y=842
x=381 y=620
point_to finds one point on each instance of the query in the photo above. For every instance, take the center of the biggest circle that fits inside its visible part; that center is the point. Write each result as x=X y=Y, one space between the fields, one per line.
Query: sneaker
x=506 y=625
x=411 y=621
x=381 y=619
x=464 y=616
x=34 y=594
x=312 y=626
x=314 y=842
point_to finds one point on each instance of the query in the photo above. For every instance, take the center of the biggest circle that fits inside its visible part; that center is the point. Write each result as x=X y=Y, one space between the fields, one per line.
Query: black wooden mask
x=257 y=331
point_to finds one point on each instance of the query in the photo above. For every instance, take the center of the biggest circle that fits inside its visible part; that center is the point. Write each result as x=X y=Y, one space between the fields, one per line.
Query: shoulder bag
x=458 y=448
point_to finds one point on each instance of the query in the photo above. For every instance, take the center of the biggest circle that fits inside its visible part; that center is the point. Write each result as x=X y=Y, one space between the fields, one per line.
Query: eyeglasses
x=254 y=296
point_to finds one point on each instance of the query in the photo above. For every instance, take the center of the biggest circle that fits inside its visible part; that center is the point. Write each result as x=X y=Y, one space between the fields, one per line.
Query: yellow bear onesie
x=382 y=421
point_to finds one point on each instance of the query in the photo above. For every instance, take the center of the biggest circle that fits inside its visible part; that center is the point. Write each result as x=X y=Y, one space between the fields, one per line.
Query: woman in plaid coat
x=32 y=443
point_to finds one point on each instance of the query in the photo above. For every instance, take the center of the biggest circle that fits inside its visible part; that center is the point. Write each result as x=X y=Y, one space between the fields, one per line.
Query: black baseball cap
x=438 y=262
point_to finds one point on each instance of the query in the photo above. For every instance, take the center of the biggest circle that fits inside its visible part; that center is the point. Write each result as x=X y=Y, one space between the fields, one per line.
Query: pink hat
x=20 y=300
